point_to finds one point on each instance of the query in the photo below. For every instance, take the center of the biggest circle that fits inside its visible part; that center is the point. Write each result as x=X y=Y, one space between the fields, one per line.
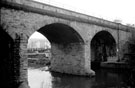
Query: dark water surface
x=105 y=78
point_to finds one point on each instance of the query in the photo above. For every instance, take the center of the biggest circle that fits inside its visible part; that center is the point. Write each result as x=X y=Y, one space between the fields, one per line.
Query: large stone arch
x=67 y=48
x=103 y=47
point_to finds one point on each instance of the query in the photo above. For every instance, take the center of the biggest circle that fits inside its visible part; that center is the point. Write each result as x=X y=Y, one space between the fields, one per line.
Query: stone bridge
x=76 y=39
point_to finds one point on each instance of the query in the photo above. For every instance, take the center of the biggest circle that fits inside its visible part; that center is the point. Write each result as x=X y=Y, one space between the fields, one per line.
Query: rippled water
x=105 y=78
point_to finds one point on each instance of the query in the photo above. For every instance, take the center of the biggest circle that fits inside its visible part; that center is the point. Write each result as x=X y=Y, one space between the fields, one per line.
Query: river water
x=105 y=78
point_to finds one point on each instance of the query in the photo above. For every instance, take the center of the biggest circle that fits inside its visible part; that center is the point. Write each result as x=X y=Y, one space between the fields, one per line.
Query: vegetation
x=39 y=57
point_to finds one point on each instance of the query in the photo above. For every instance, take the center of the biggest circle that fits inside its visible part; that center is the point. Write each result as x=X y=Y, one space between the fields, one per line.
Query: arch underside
x=60 y=34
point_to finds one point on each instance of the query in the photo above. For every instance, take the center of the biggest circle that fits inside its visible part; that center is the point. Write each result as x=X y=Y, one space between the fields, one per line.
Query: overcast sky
x=107 y=9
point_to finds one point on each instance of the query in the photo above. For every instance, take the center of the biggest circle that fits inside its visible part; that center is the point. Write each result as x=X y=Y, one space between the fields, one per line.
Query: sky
x=111 y=10
x=37 y=35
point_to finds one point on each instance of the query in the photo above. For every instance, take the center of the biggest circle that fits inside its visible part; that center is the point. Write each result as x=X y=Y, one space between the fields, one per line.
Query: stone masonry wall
x=124 y=39
x=20 y=62
x=68 y=59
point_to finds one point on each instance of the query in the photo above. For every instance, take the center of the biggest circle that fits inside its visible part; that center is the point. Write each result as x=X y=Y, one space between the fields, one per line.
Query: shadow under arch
x=61 y=34
x=6 y=59
x=103 y=46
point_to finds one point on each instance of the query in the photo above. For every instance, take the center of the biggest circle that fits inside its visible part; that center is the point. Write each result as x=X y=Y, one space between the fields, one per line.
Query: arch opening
x=66 y=48
x=38 y=50
x=103 y=47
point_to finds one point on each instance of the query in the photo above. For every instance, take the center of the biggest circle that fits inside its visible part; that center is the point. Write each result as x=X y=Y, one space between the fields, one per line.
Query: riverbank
x=117 y=65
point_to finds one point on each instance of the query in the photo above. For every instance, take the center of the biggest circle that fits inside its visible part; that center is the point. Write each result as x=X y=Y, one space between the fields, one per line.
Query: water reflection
x=104 y=79
x=39 y=79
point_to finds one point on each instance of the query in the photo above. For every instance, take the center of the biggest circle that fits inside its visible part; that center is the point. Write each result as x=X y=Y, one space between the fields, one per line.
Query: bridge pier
x=21 y=62
x=70 y=59
x=88 y=59
x=13 y=60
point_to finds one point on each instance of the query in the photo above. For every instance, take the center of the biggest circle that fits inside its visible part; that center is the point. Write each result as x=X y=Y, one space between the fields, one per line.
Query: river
x=105 y=78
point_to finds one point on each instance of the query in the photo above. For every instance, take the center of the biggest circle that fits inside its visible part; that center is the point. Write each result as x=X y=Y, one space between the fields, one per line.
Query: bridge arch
x=67 y=47
x=103 y=46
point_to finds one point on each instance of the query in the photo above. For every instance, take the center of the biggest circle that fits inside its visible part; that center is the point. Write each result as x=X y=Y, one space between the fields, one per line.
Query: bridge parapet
x=45 y=9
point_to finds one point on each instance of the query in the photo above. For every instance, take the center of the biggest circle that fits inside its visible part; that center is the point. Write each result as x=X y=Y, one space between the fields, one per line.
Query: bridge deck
x=41 y=8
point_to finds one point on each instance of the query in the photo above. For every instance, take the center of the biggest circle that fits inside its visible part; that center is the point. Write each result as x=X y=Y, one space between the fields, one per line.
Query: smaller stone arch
x=103 y=47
